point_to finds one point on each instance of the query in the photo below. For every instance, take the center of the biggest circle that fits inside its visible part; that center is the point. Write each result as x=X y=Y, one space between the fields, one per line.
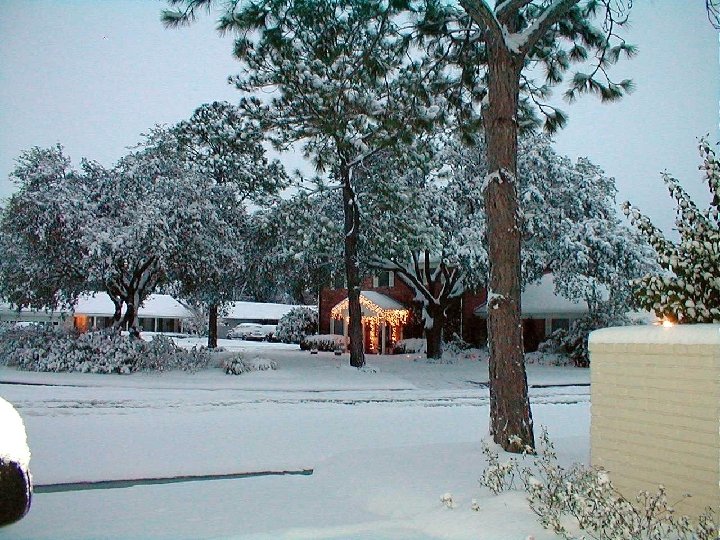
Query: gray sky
x=94 y=74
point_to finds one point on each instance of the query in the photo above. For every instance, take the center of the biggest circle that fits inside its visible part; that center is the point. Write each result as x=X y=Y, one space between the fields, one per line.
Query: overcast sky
x=94 y=74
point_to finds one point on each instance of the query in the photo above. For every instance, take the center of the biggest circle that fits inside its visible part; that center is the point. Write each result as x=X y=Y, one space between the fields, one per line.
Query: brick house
x=384 y=296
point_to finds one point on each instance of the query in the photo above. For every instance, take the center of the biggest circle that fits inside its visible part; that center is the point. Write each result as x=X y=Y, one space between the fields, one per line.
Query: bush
x=410 y=346
x=324 y=342
x=239 y=365
x=584 y=498
x=47 y=348
x=296 y=324
x=574 y=342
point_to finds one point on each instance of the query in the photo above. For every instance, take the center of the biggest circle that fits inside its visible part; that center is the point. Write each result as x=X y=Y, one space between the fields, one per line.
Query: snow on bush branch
x=581 y=502
x=296 y=324
x=689 y=289
x=45 y=348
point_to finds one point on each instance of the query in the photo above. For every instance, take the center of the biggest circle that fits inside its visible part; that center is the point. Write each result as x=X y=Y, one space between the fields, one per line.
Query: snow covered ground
x=384 y=444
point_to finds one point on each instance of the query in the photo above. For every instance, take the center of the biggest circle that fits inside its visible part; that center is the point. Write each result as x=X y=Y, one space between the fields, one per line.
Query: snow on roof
x=258 y=310
x=156 y=305
x=540 y=299
x=381 y=300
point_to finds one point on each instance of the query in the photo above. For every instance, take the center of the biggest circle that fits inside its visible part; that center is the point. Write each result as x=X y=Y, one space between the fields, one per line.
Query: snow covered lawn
x=384 y=445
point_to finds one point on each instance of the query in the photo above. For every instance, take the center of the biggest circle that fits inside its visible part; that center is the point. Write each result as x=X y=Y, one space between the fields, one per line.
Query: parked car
x=257 y=336
x=252 y=332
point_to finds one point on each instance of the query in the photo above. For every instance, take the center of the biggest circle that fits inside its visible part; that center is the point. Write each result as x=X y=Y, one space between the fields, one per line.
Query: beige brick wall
x=656 y=411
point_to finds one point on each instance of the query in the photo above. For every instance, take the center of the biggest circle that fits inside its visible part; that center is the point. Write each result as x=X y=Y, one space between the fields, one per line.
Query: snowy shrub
x=239 y=365
x=296 y=324
x=584 y=499
x=689 y=289
x=498 y=476
x=324 y=342
x=455 y=346
x=37 y=348
x=410 y=346
x=574 y=342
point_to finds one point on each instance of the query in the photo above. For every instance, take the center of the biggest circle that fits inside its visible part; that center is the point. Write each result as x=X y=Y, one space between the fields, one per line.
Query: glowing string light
x=380 y=316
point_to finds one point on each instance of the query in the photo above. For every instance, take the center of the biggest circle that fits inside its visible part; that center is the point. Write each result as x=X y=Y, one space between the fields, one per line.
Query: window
x=385 y=278
x=338 y=280
x=338 y=327
x=166 y=325
x=560 y=323
x=147 y=325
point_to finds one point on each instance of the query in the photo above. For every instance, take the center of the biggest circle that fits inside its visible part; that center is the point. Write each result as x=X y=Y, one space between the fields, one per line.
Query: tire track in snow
x=60 y=407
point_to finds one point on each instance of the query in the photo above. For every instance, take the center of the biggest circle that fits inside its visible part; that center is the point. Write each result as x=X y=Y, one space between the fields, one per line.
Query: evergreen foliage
x=348 y=86
x=432 y=232
x=688 y=290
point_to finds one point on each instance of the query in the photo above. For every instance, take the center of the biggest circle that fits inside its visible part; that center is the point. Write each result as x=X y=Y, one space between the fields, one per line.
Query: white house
x=252 y=312
x=159 y=313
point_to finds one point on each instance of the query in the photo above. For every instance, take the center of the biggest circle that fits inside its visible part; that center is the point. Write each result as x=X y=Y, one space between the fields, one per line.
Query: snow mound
x=13 y=442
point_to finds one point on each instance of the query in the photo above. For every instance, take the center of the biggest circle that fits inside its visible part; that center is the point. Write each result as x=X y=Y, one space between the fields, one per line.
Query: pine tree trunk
x=352 y=270
x=212 y=326
x=510 y=416
x=433 y=335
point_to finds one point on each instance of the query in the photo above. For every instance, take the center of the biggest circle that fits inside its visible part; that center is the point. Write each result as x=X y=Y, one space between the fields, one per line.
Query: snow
x=13 y=443
x=258 y=311
x=384 y=444
x=156 y=305
x=540 y=299
x=381 y=300
x=699 y=334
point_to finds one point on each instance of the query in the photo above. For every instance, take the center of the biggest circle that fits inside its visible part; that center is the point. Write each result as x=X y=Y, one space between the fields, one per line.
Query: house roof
x=156 y=305
x=540 y=299
x=381 y=300
x=372 y=304
x=258 y=310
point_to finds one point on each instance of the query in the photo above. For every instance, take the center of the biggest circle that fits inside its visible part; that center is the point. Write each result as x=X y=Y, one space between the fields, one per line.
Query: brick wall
x=656 y=411
x=330 y=297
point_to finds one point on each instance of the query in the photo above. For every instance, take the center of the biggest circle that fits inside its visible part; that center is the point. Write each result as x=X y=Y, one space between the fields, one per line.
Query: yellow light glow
x=394 y=317
x=667 y=323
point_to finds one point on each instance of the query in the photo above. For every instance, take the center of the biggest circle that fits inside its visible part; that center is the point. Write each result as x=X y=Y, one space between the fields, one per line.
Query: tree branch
x=553 y=14
x=483 y=16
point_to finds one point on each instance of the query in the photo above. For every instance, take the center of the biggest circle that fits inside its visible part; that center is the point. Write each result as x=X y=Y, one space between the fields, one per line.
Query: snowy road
x=383 y=447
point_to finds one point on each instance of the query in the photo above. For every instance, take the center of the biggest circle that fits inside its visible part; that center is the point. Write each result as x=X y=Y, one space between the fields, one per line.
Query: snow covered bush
x=581 y=502
x=409 y=346
x=689 y=289
x=574 y=342
x=239 y=365
x=324 y=342
x=47 y=348
x=15 y=480
x=296 y=324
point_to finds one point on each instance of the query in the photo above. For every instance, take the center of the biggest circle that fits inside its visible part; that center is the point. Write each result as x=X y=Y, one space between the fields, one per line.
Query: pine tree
x=347 y=88
x=688 y=291
x=498 y=54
